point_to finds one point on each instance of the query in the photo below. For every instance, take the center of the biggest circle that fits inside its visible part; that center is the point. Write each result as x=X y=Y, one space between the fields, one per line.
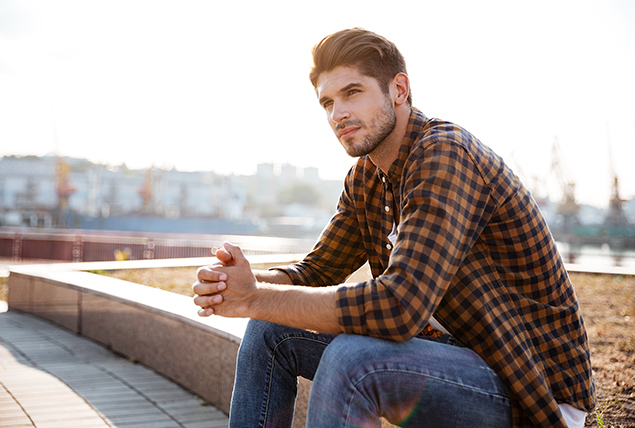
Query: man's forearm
x=278 y=301
x=309 y=308
x=272 y=276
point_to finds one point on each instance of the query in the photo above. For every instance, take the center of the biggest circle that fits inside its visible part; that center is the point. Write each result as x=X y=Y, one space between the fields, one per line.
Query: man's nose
x=339 y=113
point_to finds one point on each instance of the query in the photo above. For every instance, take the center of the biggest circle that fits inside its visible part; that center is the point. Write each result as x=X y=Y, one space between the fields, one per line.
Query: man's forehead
x=339 y=78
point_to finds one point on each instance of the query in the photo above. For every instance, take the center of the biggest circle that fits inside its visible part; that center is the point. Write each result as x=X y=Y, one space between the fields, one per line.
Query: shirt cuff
x=350 y=308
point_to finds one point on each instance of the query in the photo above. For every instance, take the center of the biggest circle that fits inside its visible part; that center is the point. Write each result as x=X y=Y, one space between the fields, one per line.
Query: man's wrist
x=273 y=276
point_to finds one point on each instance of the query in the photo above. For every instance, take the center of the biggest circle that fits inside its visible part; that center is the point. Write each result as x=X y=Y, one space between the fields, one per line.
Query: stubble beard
x=380 y=128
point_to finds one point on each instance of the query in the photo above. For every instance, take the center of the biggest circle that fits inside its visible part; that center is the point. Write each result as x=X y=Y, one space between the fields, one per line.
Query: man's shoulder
x=440 y=136
x=428 y=132
x=441 y=131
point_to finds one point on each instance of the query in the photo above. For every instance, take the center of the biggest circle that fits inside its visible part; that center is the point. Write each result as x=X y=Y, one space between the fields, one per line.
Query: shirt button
x=389 y=246
x=387 y=208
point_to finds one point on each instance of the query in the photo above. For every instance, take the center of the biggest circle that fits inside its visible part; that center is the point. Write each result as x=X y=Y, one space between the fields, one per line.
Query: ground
x=608 y=307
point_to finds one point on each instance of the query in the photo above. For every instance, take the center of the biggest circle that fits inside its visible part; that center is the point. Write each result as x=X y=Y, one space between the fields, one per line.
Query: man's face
x=358 y=111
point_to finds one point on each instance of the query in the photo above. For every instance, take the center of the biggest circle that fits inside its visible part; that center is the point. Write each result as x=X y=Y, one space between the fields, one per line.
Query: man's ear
x=401 y=85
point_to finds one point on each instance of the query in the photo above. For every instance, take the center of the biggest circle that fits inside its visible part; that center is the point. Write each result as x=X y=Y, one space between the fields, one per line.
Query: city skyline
x=223 y=87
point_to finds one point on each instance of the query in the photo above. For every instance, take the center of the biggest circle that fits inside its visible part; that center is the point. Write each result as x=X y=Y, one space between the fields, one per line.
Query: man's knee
x=259 y=334
x=256 y=328
x=273 y=339
x=258 y=339
x=345 y=353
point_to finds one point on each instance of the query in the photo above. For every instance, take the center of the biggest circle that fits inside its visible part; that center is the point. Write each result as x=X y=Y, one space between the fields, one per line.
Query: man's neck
x=388 y=151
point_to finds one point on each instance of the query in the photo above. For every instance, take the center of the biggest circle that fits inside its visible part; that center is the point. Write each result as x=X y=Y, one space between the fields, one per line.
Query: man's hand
x=231 y=289
x=212 y=288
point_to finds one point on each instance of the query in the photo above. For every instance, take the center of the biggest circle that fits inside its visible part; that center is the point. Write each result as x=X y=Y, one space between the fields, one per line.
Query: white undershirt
x=572 y=416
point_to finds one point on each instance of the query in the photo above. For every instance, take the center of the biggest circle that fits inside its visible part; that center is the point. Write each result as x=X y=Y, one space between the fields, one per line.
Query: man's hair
x=371 y=53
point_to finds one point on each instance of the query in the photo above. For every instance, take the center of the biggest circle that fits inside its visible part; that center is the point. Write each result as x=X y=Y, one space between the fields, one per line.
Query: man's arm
x=232 y=289
x=272 y=277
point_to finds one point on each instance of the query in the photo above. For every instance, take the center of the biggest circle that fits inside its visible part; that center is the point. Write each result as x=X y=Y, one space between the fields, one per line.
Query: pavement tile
x=65 y=381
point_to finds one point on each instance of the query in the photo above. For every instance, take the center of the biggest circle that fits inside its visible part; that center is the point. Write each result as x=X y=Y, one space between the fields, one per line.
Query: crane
x=615 y=216
x=568 y=208
x=146 y=192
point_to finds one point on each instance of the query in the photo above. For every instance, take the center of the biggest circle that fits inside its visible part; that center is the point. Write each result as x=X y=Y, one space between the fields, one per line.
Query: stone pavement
x=51 y=378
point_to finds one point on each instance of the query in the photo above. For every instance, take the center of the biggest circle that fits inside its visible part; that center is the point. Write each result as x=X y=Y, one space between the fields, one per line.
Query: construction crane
x=568 y=208
x=146 y=193
x=615 y=216
x=536 y=186
x=63 y=187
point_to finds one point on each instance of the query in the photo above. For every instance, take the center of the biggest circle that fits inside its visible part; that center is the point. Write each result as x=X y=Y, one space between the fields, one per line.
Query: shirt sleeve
x=445 y=205
x=338 y=252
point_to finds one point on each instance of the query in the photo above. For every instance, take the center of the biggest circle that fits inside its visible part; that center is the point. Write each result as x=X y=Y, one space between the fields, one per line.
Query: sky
x=223 y=85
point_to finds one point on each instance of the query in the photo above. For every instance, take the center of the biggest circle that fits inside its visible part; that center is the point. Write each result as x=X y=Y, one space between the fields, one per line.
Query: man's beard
x=380 y=128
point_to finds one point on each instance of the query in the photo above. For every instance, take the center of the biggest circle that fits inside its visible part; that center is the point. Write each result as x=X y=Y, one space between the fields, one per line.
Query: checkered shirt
x=473 y=250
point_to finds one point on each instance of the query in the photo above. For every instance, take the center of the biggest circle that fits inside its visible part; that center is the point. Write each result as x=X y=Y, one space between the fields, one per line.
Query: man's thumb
x=235 y=251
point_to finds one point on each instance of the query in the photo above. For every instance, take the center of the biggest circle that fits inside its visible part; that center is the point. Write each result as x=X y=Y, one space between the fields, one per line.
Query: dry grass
x=177 y=280
x=608 y=306
x=3 y=289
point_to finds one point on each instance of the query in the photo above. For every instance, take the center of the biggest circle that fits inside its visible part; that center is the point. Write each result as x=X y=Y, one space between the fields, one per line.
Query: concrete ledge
x=157 y=328
x=600 y=270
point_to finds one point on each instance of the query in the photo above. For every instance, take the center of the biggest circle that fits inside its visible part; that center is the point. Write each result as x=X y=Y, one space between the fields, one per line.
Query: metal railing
x=20 y=244
x=75 y=245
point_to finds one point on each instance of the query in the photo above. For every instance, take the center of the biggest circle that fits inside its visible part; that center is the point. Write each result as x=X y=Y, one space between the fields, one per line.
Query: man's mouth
x=347 y=132
x=347 y=128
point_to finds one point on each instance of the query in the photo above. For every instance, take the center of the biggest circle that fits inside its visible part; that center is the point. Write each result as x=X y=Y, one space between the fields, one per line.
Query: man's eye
x=327 y=104
x=353 y=91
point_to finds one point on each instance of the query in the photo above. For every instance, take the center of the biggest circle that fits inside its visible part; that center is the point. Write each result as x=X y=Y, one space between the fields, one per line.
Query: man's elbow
x=397 y=333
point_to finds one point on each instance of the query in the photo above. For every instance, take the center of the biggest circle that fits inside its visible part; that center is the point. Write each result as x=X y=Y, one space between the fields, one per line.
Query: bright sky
x=223 y=86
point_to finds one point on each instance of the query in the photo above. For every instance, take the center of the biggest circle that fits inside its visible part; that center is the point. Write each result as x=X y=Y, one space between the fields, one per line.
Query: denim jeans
x=357 y=379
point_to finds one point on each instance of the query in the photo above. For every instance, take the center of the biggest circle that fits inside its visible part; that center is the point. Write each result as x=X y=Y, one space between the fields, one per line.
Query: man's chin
x=355 y=153
x=358 y=150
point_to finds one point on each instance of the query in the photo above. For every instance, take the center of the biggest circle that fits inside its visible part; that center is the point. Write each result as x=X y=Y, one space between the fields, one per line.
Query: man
x=454 y=240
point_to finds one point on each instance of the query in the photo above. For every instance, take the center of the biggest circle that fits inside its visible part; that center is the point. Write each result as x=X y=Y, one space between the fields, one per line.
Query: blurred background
x=192 y=120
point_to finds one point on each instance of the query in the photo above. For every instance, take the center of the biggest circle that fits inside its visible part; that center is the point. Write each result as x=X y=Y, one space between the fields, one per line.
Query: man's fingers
x=205 y=312
x=203 y=288
x=209 y=273
x=208 y=301
x=211 y=281
x=235 y=252
x=223 y=256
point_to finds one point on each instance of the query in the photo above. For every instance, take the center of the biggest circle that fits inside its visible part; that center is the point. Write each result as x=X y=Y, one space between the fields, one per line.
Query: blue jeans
x=357 y=379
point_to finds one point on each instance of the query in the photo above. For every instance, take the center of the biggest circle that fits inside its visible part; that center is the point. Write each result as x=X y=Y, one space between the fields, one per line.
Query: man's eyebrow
x=344 y=89
x=350 y=86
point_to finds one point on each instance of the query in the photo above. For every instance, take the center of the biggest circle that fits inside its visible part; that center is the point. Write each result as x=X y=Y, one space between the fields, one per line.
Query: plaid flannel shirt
x=473 y=250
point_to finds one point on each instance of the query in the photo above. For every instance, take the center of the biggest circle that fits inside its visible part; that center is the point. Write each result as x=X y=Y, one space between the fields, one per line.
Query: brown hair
x=371 y=53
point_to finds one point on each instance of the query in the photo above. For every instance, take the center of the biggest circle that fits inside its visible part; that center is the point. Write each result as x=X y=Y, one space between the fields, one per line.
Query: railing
x=74 y=245
x=603 y=256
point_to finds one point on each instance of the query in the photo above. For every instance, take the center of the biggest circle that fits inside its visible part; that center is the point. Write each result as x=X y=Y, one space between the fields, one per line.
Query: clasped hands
x=225 y=287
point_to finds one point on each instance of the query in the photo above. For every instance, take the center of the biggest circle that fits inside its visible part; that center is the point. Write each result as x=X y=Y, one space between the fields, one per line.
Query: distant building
x=29 y=188
x=28 y=192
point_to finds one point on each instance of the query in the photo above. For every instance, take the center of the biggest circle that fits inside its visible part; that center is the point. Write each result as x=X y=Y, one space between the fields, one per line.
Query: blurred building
x=47 y=192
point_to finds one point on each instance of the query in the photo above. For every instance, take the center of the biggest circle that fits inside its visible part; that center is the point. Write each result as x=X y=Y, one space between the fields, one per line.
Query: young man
x=454 y=241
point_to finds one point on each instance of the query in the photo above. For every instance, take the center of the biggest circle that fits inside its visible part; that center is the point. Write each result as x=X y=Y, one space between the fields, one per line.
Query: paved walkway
x=51 y=378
